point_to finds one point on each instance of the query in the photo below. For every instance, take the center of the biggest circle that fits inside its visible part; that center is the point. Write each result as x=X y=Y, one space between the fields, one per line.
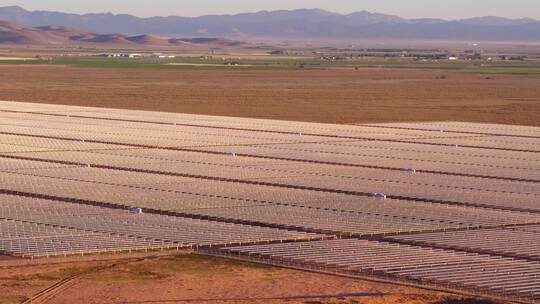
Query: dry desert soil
x=331 y=96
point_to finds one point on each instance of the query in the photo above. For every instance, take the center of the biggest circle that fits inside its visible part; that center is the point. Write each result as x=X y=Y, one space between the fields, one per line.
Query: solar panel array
x=450 y=198
x=455 y=269
x=39 y=227
x=522 y=241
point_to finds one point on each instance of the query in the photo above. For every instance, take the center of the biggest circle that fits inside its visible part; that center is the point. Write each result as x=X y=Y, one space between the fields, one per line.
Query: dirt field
x=332 y=96
x=7 y=258
x=193 y=279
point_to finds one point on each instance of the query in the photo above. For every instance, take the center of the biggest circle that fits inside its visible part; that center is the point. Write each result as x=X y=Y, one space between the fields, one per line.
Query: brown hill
x=116 y=39
x=215 y=42
x=10 y=33
x=59 y=30
x=13 y=34
x=148 y=39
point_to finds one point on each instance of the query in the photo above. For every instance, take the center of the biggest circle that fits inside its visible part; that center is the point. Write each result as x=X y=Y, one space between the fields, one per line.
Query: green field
x=145 y=64
x=36 y=62
x=480 y=67
x=149 y=64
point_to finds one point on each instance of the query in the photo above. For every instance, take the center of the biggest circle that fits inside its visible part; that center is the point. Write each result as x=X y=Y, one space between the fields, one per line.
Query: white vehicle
x=378 y=195
x=135 y=210
x=410 y=170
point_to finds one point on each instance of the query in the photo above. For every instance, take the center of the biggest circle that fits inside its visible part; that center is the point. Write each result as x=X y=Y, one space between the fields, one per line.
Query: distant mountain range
x=305 y=23
x=11 y=33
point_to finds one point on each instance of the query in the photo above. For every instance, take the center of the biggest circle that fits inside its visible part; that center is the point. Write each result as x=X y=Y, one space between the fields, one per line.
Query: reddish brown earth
x=330 y=96
x=191 y=279
x=7 y=258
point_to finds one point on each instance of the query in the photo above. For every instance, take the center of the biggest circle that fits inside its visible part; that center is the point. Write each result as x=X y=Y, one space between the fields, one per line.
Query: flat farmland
x=328 y=95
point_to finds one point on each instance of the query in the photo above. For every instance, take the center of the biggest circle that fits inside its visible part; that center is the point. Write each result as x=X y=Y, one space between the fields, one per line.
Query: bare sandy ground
x=7 y=258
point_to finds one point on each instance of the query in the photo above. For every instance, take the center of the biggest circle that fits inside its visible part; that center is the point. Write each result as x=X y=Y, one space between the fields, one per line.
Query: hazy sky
x=448 y=9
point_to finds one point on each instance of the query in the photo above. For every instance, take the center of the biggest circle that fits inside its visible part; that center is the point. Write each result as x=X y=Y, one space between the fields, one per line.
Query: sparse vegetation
x=144 y=64
x=12 y=299
x=320 y=95
x=161 y=268
x=465 y=301
x=55 y=275
x=524 y=68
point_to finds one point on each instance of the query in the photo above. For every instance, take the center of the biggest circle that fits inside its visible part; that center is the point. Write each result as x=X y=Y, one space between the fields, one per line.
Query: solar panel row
x=418 y=186
x=38 y=227
x=466 y=127
x=154 y=159
x=514 y=241
x=246 y=122
x=263 y=204
x=85 y=126
x=469 y=271
x=37 y=240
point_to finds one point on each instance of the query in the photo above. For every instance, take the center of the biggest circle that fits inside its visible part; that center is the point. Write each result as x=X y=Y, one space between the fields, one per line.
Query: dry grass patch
x=329 y=96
